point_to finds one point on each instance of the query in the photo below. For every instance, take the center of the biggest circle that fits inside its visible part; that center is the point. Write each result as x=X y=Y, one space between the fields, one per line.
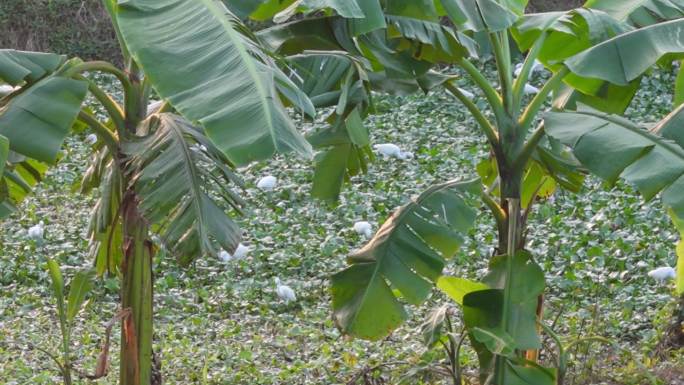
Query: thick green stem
x=485 y=125
x=99 y=66
x=513 y=205
x=519 y=84
x=537 y=102
x=135 y=102
x=499 y=42
x=493 y=98
x=113 y=108
x=136 y=295
x=101 y=131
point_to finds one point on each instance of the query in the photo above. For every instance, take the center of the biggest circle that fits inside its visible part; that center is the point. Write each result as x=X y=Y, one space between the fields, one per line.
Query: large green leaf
x=437 y=43
x=374 y=19
x=483 y=311
x=37 y=121
x=407 y=254
x=612 y=147
x=20 y=175
x=344 y=8
x=626 y=57
x=223 y=87
x=640 y=12
x=177 y=168
x=17 y=67
x=457 y=288
x=4 y=153
x=480 y=15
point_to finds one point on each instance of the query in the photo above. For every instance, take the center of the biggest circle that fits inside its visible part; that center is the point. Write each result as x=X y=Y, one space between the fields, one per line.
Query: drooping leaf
x=640 y=12
x=17 y=67
x=79 y=288
x=177 y=167
x=57 y=289
x=374 y=18
x=344 y=8
x=229 y=88
x=432 y=328
x=408 y=253
x=437 y=43
x=480 y=15
x=37 y=121
x=613 y=147
x=626 y=57
x=20 y=175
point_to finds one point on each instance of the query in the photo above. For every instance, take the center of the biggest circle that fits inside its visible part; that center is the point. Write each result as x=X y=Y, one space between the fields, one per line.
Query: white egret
x=267 y=183
x=91 y=139
x=224 y=256
x=285 y=292
x=363 y=228
x=240 y=252
x=6 y=89
x=663 y=273
x=467 y=93
x=530 y=89
x=388 y=150
x=536 y=66
x=154 y=106
x=36 y=232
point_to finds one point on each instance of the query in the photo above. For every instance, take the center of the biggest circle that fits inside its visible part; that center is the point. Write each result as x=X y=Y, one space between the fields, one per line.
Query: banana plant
x=596 y=56
x=164 y=168
x=67 y=310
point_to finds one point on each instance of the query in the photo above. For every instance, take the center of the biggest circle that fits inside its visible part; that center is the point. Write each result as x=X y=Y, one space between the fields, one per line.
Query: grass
x=222 y=323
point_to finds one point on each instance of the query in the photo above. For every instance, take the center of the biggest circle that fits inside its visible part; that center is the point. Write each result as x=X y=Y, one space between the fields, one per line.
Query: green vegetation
x=237 y=326
x=498 y=222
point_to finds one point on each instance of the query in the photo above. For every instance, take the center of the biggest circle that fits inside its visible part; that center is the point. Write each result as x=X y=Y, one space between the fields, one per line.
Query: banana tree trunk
x=136 y=294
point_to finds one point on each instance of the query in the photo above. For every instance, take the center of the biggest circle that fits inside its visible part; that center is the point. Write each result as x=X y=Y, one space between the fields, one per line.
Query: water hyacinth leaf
x=176 y=167
x=613 y=147
x=229 y=88
x=407 y=254
x=46 y=110
x=79 y=288
x=17 y=67
x=457 y=288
